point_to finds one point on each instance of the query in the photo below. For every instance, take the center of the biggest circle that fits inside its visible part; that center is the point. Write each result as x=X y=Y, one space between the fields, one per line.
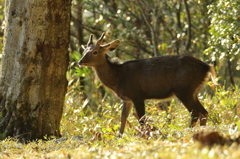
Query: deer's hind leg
x=140 y=109
x=203 y=112
x=193 y=105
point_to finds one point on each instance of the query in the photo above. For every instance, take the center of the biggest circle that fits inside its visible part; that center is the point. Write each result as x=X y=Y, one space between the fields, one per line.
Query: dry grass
x=165 y=136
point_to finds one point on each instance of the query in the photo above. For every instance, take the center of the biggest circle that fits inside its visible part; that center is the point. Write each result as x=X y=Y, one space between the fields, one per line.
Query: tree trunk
x=79 y=28
x=229 y=64
x=35 y=58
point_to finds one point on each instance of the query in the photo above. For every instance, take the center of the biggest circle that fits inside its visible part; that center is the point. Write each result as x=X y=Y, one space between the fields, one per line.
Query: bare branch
x=151 y=29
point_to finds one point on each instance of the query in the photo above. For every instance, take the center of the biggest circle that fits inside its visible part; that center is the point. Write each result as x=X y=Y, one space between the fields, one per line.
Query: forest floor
x=165 y=136
x=181 y=145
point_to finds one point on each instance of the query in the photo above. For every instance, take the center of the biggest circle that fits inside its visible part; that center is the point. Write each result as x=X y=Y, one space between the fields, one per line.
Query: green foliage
x=166 y=20
x=224 y=29
x=224 y=43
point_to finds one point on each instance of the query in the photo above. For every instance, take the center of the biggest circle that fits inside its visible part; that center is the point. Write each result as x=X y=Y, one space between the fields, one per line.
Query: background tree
x=224 y=43
x=34 y=64
x=1 y=29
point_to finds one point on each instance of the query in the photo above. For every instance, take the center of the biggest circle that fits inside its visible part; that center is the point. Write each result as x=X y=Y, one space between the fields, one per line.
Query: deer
x=163 y=77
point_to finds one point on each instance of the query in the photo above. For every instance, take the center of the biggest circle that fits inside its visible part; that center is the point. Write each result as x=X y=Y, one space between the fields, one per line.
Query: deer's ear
x=111 y=46
x=84 y=47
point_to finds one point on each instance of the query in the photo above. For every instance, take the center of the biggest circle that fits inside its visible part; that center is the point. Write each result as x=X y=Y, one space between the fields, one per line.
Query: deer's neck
x=109 y=74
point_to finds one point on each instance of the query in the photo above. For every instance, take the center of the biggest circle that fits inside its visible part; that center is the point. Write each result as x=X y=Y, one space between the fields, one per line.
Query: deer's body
x=155 y=78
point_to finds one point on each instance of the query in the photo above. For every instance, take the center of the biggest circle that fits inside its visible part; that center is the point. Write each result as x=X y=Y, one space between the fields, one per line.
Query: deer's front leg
x=127 y=105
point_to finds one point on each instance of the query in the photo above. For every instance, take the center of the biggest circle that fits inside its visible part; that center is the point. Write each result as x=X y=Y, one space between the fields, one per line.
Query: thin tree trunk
x=229 y=64
x=35 y=58
x=79 y=27
x=178 y=7
x=189 y=29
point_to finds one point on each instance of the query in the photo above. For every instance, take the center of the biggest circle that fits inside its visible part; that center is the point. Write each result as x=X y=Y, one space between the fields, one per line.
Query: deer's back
x=158 y=77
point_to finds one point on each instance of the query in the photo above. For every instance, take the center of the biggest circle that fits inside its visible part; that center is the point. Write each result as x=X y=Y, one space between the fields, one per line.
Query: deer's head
x=94 y=54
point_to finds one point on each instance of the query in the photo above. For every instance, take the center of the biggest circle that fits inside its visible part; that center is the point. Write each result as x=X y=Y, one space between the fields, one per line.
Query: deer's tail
x=213 y=75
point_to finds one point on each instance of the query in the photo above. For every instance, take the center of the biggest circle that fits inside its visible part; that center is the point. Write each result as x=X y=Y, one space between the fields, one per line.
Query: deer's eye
x=94 y=52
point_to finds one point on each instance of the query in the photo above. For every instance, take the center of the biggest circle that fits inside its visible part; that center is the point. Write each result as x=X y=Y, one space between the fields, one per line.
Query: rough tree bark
x=35 y=58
